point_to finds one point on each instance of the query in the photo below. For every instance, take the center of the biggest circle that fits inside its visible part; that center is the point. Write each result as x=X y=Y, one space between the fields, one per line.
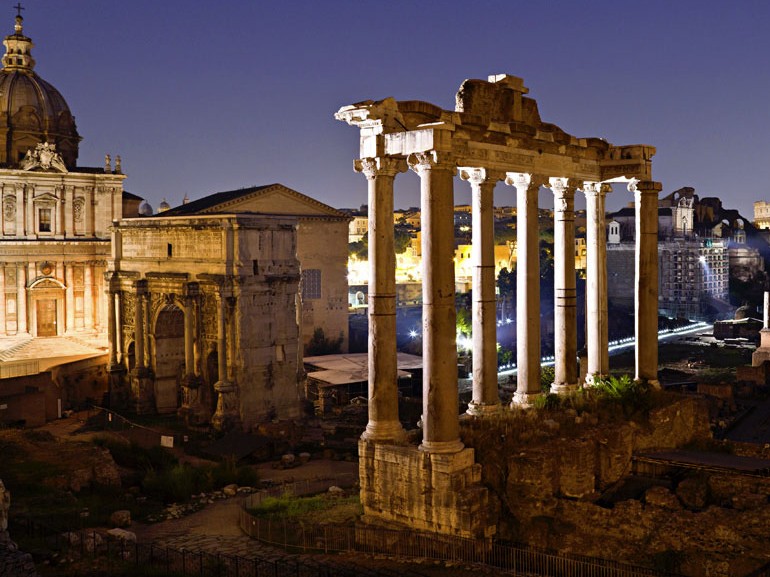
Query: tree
x=360 y=248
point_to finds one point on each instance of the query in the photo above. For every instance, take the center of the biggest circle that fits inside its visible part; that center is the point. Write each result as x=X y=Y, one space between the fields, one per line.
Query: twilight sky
x=200 y=97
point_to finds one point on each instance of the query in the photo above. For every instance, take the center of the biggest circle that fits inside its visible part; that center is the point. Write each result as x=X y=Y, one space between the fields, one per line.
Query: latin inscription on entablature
x=403 y=143
x=187 y=243
x=628 y=170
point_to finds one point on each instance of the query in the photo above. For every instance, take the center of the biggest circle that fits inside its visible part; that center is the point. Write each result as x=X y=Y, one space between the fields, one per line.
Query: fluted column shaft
x=383 y=424
x=565 y=312
x=139 y=328
x=440 y=402
x=646 y=282
x=527 y=288
x=112 y=331
x=221 y=340
x=485 y=395
x=597 y=341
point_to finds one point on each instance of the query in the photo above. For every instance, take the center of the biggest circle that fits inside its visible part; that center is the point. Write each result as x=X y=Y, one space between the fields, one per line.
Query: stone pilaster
x=88 y=296
x=646 y=293
x=441 y=427
x=527 y=288
x=565 y=312
x=383 y=425
x=21 y=300
x=69 y=297
x=3 y=300
x=597 y=340
x=485 y=395
x=192 y=408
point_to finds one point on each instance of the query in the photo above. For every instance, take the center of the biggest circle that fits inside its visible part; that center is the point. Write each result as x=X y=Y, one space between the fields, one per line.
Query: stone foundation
x=438 y=492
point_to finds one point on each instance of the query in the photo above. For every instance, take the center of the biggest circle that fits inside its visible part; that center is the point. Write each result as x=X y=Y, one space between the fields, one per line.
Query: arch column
x=140 y=287
x=565 y=312
x=646 y=282
x=69 y=297
x=485 y=396
x=226 y=415
x=4 y=300
x=597 y=340
x=142 y=389
x=527 y=288
x=383 y=424
x=440 y=402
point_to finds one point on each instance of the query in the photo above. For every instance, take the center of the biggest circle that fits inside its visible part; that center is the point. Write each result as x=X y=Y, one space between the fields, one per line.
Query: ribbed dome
x=31 y=110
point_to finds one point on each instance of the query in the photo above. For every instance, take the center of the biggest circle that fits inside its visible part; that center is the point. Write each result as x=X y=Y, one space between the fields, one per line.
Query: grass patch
x=315 y=509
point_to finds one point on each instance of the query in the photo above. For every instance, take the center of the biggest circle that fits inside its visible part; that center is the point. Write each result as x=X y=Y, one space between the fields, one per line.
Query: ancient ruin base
x=142 y=391
x=437 y=492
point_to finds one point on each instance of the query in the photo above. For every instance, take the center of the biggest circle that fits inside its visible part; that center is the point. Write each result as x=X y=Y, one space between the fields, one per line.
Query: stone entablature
x=184 y=294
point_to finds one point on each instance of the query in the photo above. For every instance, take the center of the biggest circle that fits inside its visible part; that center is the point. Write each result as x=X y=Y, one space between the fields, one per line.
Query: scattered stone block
x=122 y=535
x=230 y=490
x=304 y=458
x=661 y=497
x=121 y=518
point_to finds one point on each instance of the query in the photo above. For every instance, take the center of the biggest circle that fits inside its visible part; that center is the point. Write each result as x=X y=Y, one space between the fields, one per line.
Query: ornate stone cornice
x=379 y=166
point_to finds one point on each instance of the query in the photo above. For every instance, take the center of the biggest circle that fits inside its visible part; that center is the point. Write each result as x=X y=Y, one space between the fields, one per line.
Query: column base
x=227 y=415
x=390 y=432
x=441 y=447
x=192 y=410
x=143 y=391
x=591 y=380
x=563 y=388
x=480 y=409
x=524 y=400
x=652 y=383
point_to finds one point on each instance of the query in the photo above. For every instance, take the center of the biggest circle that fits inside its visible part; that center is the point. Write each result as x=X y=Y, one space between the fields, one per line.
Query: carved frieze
x=209 y=313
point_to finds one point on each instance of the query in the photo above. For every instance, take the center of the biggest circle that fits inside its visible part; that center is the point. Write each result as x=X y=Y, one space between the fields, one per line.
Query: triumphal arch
x=494 y=134
x=202 y=317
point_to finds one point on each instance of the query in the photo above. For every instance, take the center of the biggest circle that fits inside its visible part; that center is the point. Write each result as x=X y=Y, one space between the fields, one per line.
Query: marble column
x=527 y=288
x=139 y=325
x=383 y=424
x=597 y=341
x=189 y=336
x=112 y=329
x=565 y=312
x=226 y=414
x=21 y=300
x=21 y=211
x=484 y=319
x=440 y=401
x=88 y=296
x=646 y=282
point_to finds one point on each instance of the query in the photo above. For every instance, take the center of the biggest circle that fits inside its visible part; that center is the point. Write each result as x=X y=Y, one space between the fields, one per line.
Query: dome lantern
x=32 y=111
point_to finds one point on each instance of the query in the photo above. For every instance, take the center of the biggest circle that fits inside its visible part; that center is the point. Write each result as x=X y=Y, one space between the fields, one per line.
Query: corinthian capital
x=593 y=188
x=429 y=160
x=563 y=194
x=379 y=166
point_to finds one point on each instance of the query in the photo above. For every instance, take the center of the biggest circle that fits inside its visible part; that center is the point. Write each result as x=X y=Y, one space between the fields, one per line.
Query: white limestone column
x=88 y=296
x=189 y=332
x=484 y=321
x=139 y=328
x=21 y=300
x=440 y=401
x=597 y=340
x=565 y=312
x=646 y=282
x=69 y=297
x=383 y=424
x=527 y=288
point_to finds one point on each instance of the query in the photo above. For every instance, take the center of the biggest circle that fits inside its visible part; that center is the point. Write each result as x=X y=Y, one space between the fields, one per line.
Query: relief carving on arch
x=209 y=316
x=127 y=309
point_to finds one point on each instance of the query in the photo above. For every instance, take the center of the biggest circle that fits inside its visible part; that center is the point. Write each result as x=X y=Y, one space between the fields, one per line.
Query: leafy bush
x=134 y=456
x=291 y=507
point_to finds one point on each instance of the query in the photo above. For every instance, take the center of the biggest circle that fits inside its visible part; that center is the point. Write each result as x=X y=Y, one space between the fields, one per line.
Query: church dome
x=31 y=110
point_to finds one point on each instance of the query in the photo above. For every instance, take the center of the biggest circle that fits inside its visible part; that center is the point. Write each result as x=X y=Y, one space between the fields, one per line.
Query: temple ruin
x=494 y=134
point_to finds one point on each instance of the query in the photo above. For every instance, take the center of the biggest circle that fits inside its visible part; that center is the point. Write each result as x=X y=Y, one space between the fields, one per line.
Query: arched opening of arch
x=168 y=357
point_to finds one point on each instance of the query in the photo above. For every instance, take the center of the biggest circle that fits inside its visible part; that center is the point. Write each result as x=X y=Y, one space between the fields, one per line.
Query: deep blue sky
x=199 y=97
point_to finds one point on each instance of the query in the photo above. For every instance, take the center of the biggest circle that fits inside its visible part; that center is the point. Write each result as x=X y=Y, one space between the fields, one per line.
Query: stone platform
x=437 y=492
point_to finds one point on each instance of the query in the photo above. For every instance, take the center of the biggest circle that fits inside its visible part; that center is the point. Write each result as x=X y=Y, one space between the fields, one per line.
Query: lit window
x=44 y=220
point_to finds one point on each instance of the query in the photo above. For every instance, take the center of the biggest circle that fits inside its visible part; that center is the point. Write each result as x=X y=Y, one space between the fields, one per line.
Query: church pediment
x=46 y=198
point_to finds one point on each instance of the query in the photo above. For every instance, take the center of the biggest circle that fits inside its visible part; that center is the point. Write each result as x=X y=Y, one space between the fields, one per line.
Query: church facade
x=55 y=217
